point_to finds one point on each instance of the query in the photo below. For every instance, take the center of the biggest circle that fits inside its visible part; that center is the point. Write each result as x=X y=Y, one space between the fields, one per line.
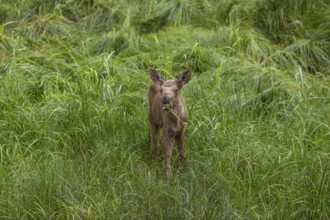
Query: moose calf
x=169 y=112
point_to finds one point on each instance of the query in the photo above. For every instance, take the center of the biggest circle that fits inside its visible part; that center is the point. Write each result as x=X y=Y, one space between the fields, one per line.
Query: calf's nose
x=165 y=100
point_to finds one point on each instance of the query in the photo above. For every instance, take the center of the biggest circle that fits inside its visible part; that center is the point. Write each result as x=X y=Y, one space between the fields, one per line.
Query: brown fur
x=169 y=112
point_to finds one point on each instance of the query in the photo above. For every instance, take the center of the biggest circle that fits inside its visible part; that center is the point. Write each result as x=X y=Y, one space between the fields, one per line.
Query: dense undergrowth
x=74 y=135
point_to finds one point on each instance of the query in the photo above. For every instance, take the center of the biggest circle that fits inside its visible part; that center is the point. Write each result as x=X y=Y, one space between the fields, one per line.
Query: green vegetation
x=74 y=134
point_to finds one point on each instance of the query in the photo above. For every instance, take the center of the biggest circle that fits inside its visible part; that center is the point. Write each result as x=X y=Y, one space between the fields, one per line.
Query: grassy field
x=74 y=133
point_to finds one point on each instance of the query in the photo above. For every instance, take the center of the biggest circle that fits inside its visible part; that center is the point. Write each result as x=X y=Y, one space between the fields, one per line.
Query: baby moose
x=169 y=112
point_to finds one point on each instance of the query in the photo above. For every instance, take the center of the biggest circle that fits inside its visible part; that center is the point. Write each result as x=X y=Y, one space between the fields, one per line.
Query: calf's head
x=170 y=89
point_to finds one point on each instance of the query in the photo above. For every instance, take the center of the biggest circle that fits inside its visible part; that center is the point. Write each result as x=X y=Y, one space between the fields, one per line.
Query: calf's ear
x=184 y=77
x=156 y=76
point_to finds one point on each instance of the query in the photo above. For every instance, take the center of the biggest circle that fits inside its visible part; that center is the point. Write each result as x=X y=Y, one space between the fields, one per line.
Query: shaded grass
x=74 y=139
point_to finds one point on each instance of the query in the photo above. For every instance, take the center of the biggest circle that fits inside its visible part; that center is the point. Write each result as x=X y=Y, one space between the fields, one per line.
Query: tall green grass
x=74 y=133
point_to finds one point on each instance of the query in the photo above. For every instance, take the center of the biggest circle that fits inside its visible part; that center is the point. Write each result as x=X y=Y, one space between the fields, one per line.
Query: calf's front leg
x=154 y=137
x=179 y=140
x=168 y=141
x=154 y=140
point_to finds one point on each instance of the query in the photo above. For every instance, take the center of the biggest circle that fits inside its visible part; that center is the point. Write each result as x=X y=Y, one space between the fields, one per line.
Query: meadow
x=74 y=132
